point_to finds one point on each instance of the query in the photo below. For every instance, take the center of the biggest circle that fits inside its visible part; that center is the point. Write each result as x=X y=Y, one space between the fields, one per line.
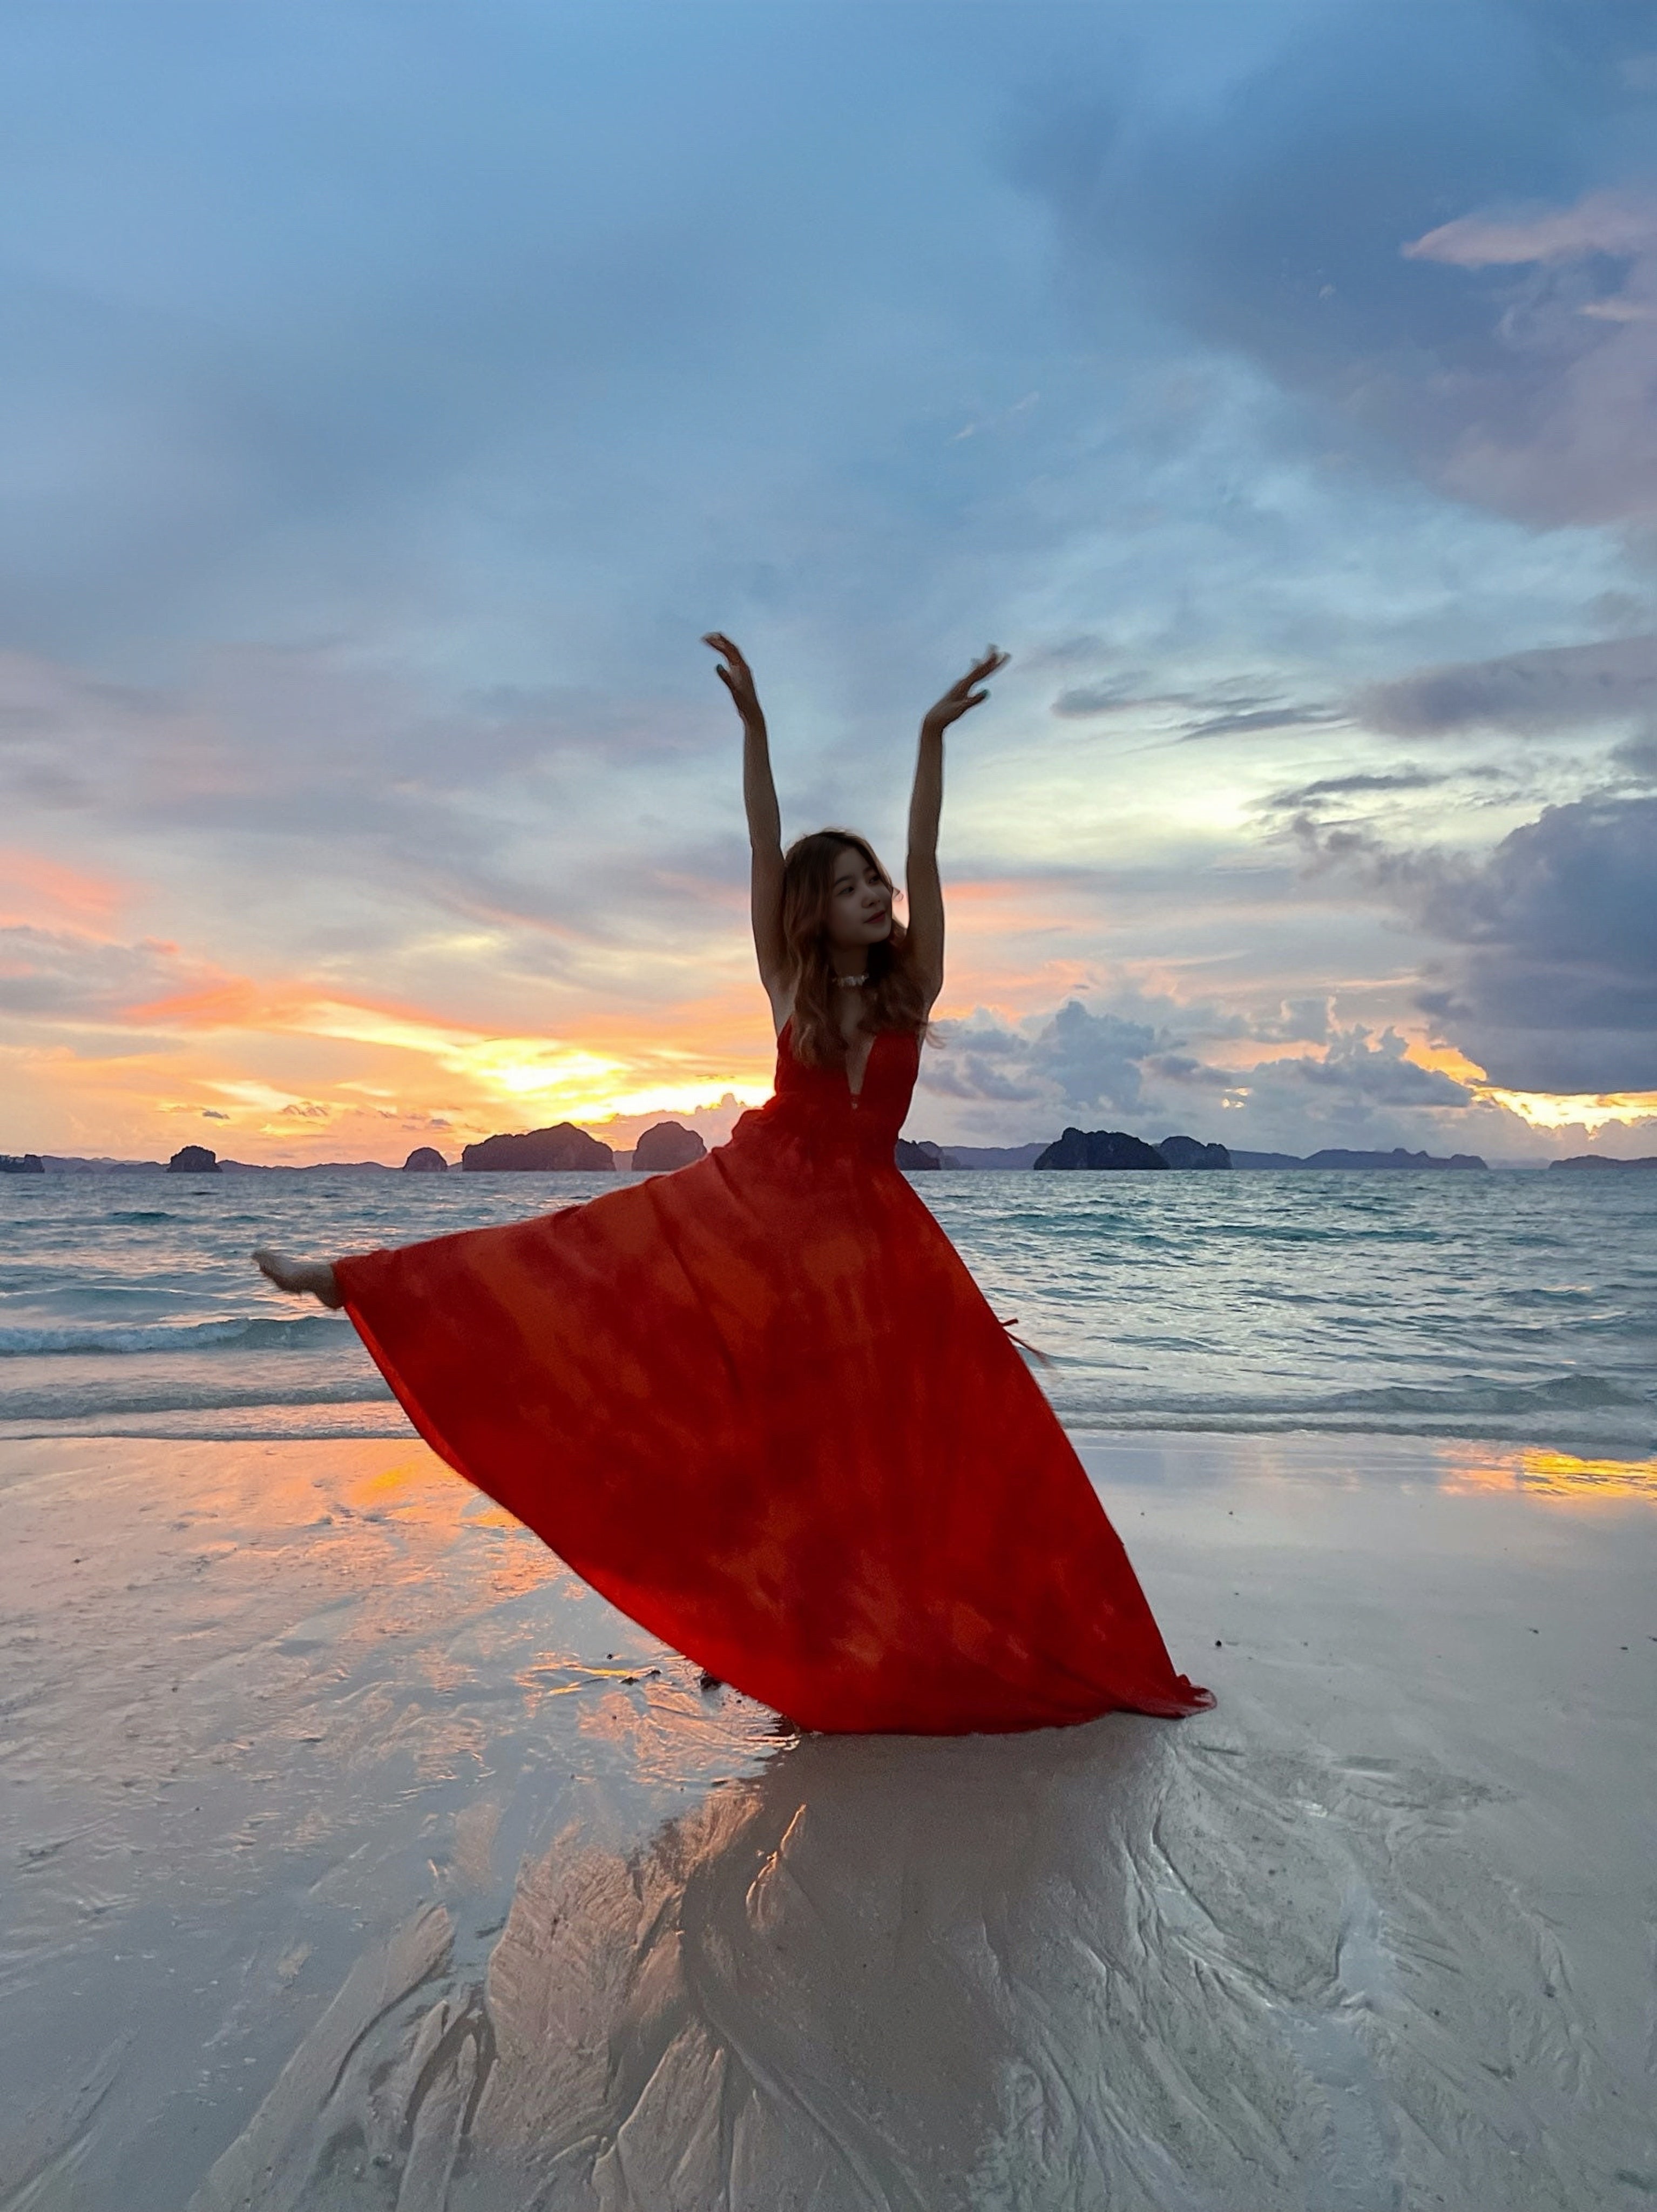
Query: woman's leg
x=312 y=1278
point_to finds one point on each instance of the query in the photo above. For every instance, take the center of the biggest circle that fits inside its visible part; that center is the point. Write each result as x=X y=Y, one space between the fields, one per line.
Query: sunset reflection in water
x=1556 y=1476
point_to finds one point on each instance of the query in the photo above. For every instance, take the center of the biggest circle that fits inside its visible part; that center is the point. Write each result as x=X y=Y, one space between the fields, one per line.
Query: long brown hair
x=891 y=1000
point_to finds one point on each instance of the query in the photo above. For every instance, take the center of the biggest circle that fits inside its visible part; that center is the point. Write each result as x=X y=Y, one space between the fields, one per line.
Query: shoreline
x=343 y=1816
x=1461 y=1450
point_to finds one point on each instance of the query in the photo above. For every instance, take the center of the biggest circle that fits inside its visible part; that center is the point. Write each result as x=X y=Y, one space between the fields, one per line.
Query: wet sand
x=355 y=1855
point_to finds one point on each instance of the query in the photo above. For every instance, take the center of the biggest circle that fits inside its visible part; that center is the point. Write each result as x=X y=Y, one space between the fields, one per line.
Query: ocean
x=1512 y=1306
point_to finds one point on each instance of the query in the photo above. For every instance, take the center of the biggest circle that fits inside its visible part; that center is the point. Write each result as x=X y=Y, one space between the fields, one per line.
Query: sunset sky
x=394 y=394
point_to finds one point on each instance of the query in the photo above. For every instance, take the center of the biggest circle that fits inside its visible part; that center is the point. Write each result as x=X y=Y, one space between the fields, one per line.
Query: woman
x=760 y=1404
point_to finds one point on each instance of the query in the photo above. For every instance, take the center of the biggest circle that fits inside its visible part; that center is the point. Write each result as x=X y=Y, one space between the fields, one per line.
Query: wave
x=1566 y=1412
x=327 y=1420
x=1472 y=1395
x=174 y=1395
x=243 y=1333
x=1567 y=1394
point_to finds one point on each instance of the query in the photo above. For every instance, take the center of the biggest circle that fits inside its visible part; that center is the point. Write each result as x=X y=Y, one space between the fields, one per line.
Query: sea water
x=1504 y=1305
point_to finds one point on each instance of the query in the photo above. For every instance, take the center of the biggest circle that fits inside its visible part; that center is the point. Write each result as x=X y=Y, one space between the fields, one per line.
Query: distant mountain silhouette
x=1603 y=1160
x=425 y=1159
x=1335 y=1157
x=991 y=1155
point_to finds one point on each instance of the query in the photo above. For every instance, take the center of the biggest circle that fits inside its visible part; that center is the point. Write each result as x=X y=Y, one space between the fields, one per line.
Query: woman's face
x=859 y=901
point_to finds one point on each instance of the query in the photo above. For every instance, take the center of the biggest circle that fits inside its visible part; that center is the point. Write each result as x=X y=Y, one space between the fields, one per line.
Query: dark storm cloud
x=1550 y=959
x=1340 y=215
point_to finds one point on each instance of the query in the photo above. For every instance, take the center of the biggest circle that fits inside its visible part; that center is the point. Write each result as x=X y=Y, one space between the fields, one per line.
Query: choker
x=851 y=982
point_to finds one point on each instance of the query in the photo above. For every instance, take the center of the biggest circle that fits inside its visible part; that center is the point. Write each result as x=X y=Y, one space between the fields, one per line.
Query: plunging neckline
x=846 y=1069
x=787 y=1030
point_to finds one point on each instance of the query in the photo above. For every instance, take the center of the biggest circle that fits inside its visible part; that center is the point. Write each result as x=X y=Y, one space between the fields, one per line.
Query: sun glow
x=1590 y=1111
x=1543 y=1109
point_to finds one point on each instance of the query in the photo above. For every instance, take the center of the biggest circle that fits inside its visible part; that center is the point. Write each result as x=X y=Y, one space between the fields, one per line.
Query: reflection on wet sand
x=363 y=1860
x=1533 y=1473
x=1114 y=1964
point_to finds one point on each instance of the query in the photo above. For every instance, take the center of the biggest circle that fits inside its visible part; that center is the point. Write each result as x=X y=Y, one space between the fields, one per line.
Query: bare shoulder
x=782 y=1005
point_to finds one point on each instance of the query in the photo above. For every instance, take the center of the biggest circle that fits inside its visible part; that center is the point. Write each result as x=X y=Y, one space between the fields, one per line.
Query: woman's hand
x=959 y=696
x=737 y=679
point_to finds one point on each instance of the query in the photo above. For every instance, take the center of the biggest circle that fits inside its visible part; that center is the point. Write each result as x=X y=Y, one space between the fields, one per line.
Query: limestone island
x=194 y=1159
x=669 y=1146
x=564 y=1149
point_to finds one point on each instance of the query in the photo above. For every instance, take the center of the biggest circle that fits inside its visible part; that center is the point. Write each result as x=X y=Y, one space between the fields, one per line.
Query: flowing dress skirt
x=761 y=1405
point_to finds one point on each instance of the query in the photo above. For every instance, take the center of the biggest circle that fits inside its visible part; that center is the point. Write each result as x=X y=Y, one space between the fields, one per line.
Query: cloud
x=1179 y=1068
x=1564 y=430
x=1072 y=1060
x=1105 y=1069
x=1359 y=785
x=68 y=975
x=1554 y=687
x=1444 y=244
x=1220 y=711
x=1603 y=223
x=1362 y=1066
x=1636 y=759
x=1294 y=1021
x=35 y=888
x=1251 y=722
x=1549 y=965
x=1093 y=1059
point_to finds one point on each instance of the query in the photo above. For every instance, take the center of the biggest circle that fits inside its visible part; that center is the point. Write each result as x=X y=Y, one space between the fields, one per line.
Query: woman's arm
x=925 y=805
x=764 y=819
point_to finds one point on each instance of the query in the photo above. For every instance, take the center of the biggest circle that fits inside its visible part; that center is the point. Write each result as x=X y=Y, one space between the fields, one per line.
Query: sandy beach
x=356 y=1855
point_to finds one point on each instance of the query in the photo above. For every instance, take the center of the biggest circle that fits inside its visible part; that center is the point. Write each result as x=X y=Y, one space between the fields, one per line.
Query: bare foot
x=303 y=1277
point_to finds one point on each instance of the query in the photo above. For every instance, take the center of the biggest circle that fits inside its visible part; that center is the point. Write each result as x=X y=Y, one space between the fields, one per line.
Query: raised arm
x=764 y=819
x=926 y=805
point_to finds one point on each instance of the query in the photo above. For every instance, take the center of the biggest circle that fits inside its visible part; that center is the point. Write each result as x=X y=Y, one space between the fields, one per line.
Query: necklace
x=851 y=982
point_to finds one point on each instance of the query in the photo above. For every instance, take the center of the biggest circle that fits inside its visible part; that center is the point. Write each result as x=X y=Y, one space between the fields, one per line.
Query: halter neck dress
x=762 y=1406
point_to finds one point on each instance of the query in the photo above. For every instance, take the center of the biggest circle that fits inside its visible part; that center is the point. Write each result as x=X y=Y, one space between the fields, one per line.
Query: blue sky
x=395 y=394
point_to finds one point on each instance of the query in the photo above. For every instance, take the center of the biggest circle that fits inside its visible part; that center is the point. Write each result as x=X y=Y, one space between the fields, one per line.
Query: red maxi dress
x=761 y=1405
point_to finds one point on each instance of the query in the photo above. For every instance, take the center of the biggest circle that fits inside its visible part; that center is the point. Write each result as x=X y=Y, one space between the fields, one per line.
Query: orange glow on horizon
x=287 y=1069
